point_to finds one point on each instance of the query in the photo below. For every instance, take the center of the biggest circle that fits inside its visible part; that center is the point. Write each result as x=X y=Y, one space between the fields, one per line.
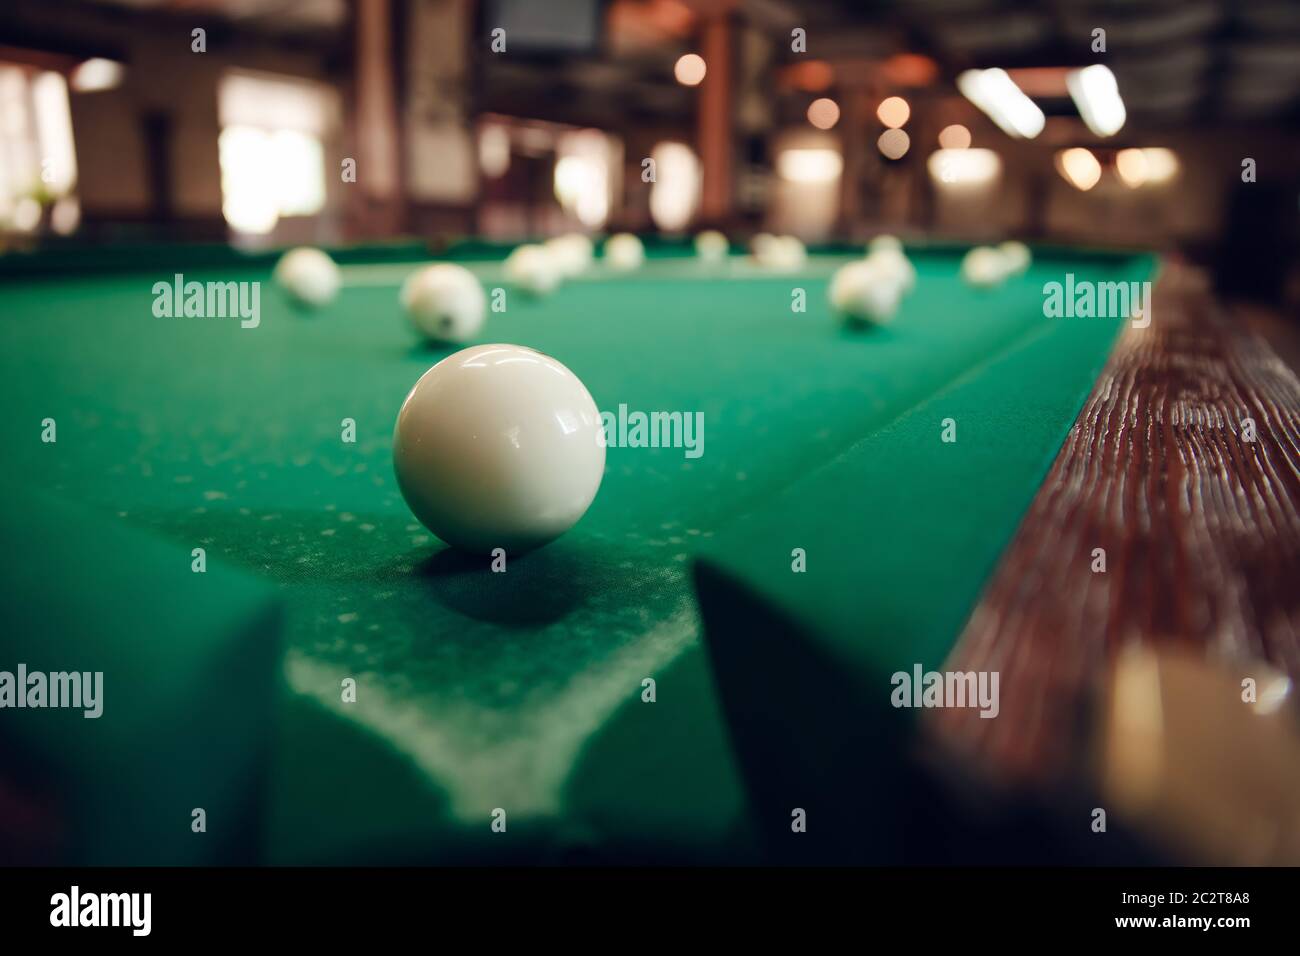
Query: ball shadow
x=864 y=330
x=433 y=352
x=536 y=589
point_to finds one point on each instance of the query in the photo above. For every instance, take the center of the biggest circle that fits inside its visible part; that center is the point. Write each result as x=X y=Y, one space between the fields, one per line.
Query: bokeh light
x=1132 y=167
x=1079 y=168
x=964 y=169
x=954 y=137
x=690 y=69
x=824 y=113
x=894 y=143
x=893 y=111
x=1162 y=164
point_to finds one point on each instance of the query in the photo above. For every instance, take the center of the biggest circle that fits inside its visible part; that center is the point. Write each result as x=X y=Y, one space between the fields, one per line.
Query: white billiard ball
x=791 y=253
x=896 y=263
x=712 y=247
x=1017 y=257
x=779 y=253
x=533 y=269
x=983 y=267
x=624 y=252
x=761 y=246
x=884 y=241
x=848 y=285
x=445 y=302
x=866 y=292
x=573 y=253
x=498 y=446
x=309 y=276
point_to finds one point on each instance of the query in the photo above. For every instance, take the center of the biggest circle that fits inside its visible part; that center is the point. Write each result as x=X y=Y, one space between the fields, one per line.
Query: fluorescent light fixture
x=994 y=92
x=97 y=74
x=963 y=168
x=809 y=165
x=1096 y=94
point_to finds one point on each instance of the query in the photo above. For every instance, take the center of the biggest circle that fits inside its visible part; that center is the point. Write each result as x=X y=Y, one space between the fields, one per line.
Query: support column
x=715 y=133
x=854 y=131
x=377 y=138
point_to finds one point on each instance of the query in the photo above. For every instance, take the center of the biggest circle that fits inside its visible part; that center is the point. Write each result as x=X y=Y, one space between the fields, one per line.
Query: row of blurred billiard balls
x=502 y=447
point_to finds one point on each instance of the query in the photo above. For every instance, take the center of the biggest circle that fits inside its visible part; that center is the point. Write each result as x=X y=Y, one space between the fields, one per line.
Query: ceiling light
x=824 y=113
x=893 y=111
x=894 y=143
x=96 y=74
x=963 y=167
x=954 y=137
x=994 y=92
x=1096 y=94
x=809 y=165
x=690 y=69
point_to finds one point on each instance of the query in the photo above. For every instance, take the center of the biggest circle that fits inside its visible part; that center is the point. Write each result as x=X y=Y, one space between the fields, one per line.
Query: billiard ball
x=983 y=267
x=1016 y=256
x=866 y=291
x=761 y=246
x=893 y=261
x=498 y=446
x=309 y=276
x=780 y=253
x=533 y=269
x=624 y=252
x=445 y=302
x=790 y=253
x=572 y=253
x=884 y=241
x=712 y=247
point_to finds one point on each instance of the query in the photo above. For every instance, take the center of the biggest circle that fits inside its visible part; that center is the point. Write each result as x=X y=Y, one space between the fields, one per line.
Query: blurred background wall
x=826 y=118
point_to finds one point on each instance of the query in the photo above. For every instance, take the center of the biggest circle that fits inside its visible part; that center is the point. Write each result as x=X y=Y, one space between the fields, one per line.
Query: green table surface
x=522 y=690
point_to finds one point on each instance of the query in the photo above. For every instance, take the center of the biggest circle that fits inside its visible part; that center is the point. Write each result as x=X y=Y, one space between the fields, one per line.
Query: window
x=675 y=193
x=38 y=164
x=272 y=149
x=584 y=159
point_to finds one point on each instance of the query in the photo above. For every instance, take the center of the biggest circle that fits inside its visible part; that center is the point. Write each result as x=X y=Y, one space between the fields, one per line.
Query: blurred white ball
x=573 y=253
x=1017 y=257
x=884 y=241
x=864 y=291
x=897 y=264
x=533 y=269
x=712 y=246
x=309 y=276
x=445 y=302
x=780 y=253
x=624 y=252
x=983 y=267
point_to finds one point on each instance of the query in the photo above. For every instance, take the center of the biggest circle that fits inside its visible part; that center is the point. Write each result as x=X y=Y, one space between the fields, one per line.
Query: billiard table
x=708 y=652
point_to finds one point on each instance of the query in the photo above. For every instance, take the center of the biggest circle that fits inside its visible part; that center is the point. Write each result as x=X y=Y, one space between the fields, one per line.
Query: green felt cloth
x=188 y=684
x=522 y=691
x=899 y=533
